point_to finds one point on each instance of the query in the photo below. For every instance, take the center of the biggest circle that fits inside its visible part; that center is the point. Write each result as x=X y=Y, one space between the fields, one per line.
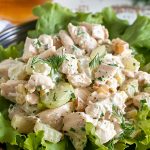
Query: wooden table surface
x=18 y=11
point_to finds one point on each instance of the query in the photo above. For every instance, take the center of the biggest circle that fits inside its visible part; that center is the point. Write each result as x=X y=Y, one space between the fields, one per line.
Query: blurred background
x=13 y=12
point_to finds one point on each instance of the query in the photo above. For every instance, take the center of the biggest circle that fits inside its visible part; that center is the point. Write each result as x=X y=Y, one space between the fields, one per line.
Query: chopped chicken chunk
x=141 y=97
x=15 y=109
x=38 y=80
x=81 y=102
x=105 y=131
x=143 y=77
x=69 y=44
x=83 y=65
x=22 y=123
x=130 y=87
x=57 y=41
x=105 y=73
x=99 y=108
x=32 y=98
x=79 y=80
x=8 y=89
x=48 y=53
x=5 y=65
x=69 y=65
x=82 y=38
x=74 y=127
x=29 y=49
x=118 y=99
x=46 y=42
x=66 y=41
x=54 y=117
x=17 y=71
x=96 y=30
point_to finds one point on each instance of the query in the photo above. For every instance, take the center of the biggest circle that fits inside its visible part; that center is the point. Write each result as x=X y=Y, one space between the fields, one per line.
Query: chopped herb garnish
x=35 y=60
x=72 y=129
x=95 y=61
x=82 y=129
x=100 y=78
x=55 y=61
x=127 y=127
x=80 y=31
x=142 y=102
x=46 y=47
x=38 y=88
x=146 y=85
x=111 y=145
x=54 y=97
x=134 y=87
x=72 y=57
x=37 y=44
x=113 y=65
x=75 y=48
x=102 y=114
x=73 y=97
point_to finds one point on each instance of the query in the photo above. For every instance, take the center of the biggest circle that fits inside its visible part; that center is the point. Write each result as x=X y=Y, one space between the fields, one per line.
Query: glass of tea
x=18 y=11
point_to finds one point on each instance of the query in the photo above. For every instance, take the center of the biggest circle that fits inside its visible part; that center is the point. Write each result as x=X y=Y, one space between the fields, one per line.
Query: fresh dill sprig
x=95 y=61
x=75 y=48
x=80 y=31
x=37 y=44
x=35 y=60
x=55 y=61
x=115 y=65
x=111 y=145
x=127 y=127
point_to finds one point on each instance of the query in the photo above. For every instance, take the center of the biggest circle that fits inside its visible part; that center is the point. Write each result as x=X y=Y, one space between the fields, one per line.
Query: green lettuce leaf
x=115 y=26
x=52 y=18
x=93 y=138
x=7 y=133
x=88 y=17
x=143 y=123
x=4 y=105
x=65 y=144
x=120 y=146
x=12 y=147
x=33 y=141
x=13 y=51
x=137 y=35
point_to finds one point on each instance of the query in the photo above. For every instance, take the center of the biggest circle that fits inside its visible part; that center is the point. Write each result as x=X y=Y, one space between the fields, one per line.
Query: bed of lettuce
x=52 y=18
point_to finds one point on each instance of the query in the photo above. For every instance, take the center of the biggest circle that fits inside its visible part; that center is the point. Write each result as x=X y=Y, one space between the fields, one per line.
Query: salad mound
x=77 y=84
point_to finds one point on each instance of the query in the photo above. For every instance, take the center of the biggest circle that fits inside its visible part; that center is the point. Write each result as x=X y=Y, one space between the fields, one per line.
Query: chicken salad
x=87 y=79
